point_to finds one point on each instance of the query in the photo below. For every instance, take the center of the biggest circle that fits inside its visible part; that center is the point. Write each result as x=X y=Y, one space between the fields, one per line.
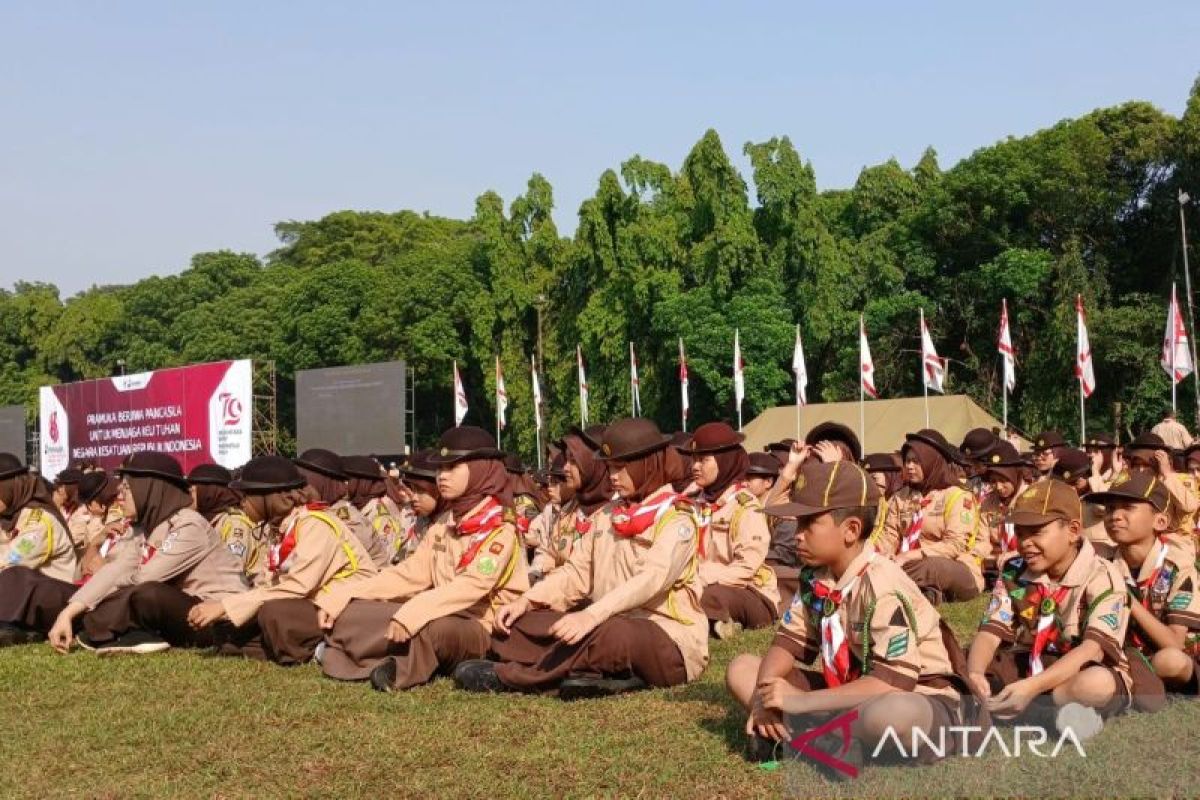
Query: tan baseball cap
x=828 y=487
x=1046 y=501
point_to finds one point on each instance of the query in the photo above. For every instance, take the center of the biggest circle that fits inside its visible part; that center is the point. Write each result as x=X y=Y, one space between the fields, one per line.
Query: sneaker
x=478 y=675
x=319 y=653
x=86 y=642
x=587 y=687
x=384 y=676
x=135 y=641
x=14 y=634
x=726 y=629
x=1084 y=721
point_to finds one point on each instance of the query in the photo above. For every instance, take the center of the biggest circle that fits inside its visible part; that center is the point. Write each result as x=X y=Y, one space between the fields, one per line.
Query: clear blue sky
x=135 y=134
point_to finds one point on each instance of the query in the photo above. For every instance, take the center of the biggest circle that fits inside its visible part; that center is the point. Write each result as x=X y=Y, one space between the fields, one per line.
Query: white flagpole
x=498 y=412
x=1082 y=416
x=924 y=373
x=1187 y=287
x=1174 y=346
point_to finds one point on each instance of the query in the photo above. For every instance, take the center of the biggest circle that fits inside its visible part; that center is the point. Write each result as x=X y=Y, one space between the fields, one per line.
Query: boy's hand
x=1163 y=459
x=767 y=723
x=1012 y=699
x=979 y=683
x=772 y=693
x=828 y=452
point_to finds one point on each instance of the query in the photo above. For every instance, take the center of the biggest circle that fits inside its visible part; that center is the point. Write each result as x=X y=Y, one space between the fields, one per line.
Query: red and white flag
x=800 y=371
x=460 y=397
x=683 y=383
x=1176 y=355
x=739 y=375
x=933 y=369
x=635 y=385
x=537 y=393
x=865 y=363
x=1084 y=370
x=583 y=388
x=501 y=397
x=1006 y=349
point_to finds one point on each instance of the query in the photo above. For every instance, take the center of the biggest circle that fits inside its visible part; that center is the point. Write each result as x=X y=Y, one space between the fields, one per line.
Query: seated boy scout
x=880 y=642
x=1056 y=621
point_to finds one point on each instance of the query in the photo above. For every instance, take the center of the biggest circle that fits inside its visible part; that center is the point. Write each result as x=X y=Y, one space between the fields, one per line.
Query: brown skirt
x=358 y=644
x=952 y=579
x=31 y=599
x=535 y=661
x=284 y=631
x=737 y=604
x=158 y=608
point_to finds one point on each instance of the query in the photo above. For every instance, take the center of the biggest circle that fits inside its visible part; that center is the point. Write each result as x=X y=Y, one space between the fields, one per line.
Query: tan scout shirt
x=950 y=526
x=903 y=643
x=325 y=554
x=385 y=525
x=735 y=549
x=1173 y=434
x=245 y=540
x=97 y=526
x=188 y=554
x=79 y=523
x=993 y=511
x=39 y=541
x=432 y=585
x=1169 y=592
x=357 y=524
x=653 y=576
x=558 y=531
x=542 y=527
x=1095 y=607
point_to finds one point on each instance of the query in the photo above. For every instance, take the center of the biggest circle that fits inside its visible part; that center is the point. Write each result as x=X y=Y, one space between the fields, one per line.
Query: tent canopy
x=887 y=421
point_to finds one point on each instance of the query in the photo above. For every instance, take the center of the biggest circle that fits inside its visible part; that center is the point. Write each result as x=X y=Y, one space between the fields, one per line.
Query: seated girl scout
x=420 y=479
x=366 y=490
x=277 y=620
x=1164 y=623
x=38 y=565
x=1004 y=471
x=932 y=524
x=1056 y=621
x=139 y=602
x=740 y=590
x=434 y=609
x=221 y=506
x=99 y=491
x=325 y=473
x=879 y=643
x=637 y=567
x=558 y=527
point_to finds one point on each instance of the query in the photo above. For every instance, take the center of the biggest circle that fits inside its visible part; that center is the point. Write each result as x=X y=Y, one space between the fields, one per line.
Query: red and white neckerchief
x=1141 y=589
x=1008 y=537
x=631 y=519
x=583 y=523
x=478 y=526
x=1048 y=603
x=835 y=647
x=912 y=537
x=705 y=513
x=112 y=537
x=279 y=557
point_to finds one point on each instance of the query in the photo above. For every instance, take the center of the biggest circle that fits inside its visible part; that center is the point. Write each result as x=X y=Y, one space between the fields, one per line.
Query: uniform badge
x=496 y=548
x=897 y=645
x=343 y=514
x=684 y=531
x=1180 y=601
x=993 y=606
x=1110 y=620
x=238 y=549
x=487 y=566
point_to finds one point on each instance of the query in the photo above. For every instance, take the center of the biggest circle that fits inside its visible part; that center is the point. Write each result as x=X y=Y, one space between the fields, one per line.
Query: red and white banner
x=1005 y=346
x=1176 y=354
x=1084 y=370
x=866 y=365
x=198 y=414
x=933 y=369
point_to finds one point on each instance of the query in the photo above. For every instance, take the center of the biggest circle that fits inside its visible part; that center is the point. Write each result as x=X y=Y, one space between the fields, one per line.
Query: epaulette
x=746 y=498
x=510 y=515
x=343 y=513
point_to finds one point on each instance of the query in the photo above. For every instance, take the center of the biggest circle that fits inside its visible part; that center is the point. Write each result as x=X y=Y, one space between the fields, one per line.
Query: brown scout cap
x=763 y=465
x=1072 y=465
x=835 y=432
x=1100 y=441
x=824 y=487
x=630 y=438
x=713 y=437
x=11 y=466
x=1141 y=485
x=464 y=443
x=1045 y=502
x=1047 y=440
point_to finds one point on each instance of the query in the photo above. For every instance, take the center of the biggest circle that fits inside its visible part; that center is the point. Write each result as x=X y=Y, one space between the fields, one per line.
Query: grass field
x=188 y=725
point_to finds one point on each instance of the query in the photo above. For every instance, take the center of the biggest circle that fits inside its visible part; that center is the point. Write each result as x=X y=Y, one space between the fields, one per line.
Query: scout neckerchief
x=631 y=519
x=1048 y=601
x=279 y=557
x=912 y=537
x=1141 y=590
x=835 y=647
x=583 y=523
x=706 y=511
x=478 y=527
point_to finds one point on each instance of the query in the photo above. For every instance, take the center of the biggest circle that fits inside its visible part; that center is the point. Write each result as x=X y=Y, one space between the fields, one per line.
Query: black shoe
x=14 y=634
x=136 y=641
x=478 y=675
x=383 y=677
x=586 y=688
x=761 y=750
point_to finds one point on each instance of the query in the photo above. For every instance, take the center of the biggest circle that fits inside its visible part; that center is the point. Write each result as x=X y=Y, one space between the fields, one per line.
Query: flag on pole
x=583 y=388
x=1006 y=349
x=1176 y=354
x=933 y=370
x=501 y=397
x=866 y=364
x=537 y=394
x=1083 y=352
x=683 y=383
x=739 y=369
x=800 y=371
x=460 y=397
x=635 y=386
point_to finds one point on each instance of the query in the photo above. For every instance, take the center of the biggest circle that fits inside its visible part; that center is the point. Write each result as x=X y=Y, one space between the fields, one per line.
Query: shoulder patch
x=897 y=645
x=684 y=531
x=496 y=548
x=343 y=513
x=898 y=619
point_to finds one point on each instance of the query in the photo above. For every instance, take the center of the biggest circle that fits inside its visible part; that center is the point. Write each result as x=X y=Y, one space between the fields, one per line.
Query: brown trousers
x=159 y=608
x=32 y=600
x=358 y=644
x=535 y=661
x=1009 y=666
x=737 y=604
x=285 y=631
x=950 y=578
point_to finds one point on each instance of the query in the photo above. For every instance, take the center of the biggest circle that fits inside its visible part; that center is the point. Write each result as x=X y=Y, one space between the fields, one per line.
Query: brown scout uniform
x=358 y=525
x=245 y=540
x=557 y=532
x=992 y=512
x=385 y=521
x=447 y=608
x=40 y=542
x=949 y=532
x=79 y=523
x=738 y=585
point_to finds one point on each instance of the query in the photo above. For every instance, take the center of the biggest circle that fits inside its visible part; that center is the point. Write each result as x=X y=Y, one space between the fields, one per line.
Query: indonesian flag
x=800 y=371
x=1176 y=357
x=739 y=369
x=865 y=363
x=1083 y=352
x=537 y=393
x=635 y=386
x=583 y=387
x=460 y=397
x=501 y=396
x=1006 y=349
x=933 y=371
x=683 y=382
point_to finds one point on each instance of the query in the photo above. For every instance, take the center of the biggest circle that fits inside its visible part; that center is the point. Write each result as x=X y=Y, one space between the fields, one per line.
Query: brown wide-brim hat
x=1147 y=441
x=782 y=446
x=976 y=445
x=835 y=432
x=1047 y=440
x=1101 y=441
x=209 y=474
x=420 y=466
x=93 y=485
x=11 y=466
x=934 y=439
x=154 y=465
x=68 y=477
x=464 y=443
x=763 y=465
x=631 y=438
x=324 y=462
x=1191 y=450
x=882 y=462
x=1003 y=456
x=590 y=437
x=363 y=467
x=823 y=487
x=267 y=474
x=713 y=437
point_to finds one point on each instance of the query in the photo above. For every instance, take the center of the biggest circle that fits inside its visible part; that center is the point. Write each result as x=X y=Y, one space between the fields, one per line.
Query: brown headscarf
x=654 y=471
x=363 y=490
x=488 y=477
x=324 y=488
x=213 y=499
x=519 y=483
x=419 y=483
x=937 y=470
x=156 y=501
x=26 y=491
x=1012 y=475
x=596 y=489
x=731 y=466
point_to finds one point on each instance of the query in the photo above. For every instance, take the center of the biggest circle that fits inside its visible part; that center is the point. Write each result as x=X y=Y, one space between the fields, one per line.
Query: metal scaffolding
x=265 y=433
